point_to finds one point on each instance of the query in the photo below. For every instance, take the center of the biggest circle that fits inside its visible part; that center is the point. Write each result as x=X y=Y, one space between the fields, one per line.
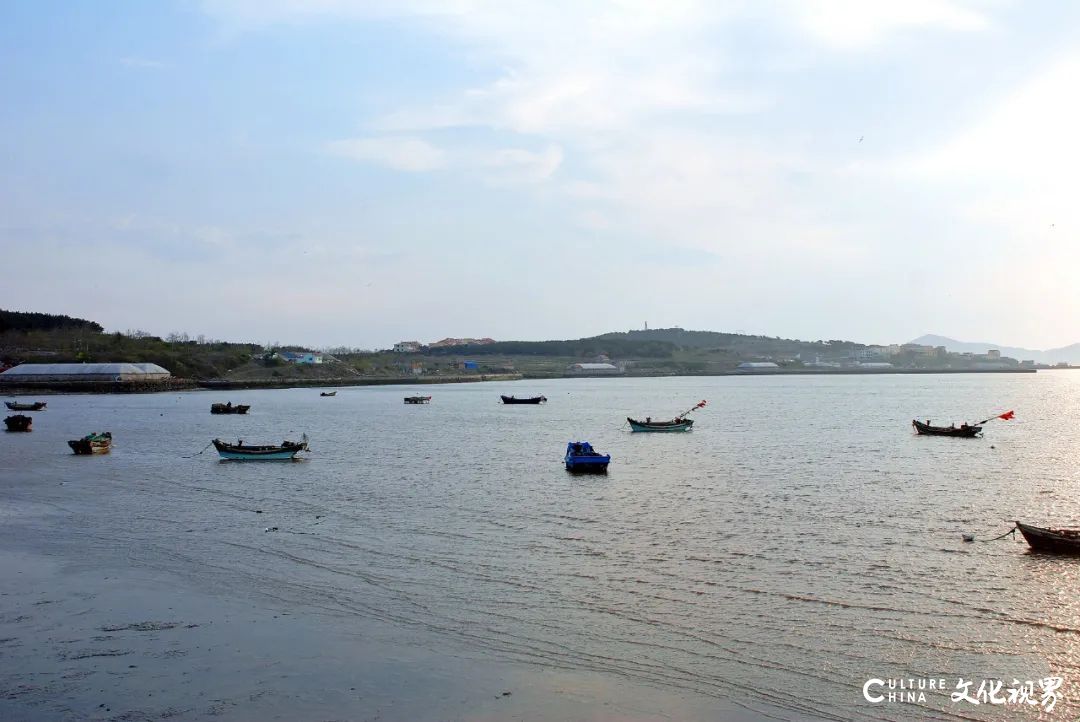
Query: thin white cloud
x=404 y=154
x=856 y=25
x=500 y=166
x=1019 y=160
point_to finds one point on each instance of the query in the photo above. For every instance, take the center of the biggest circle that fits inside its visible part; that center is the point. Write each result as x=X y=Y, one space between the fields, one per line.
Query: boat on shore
x=964 y=431
x=247 y=452
x=228 y=408
x=417 y=399
x=16 y=406
x=582 y=457
x=527 y=400
x=94 y=443
x=1060 y=541
x=328 y=393
x=19 y=422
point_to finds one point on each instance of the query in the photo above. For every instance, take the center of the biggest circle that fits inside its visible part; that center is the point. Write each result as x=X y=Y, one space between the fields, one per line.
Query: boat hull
x=238 y=452
x=19 y=423
x=581 y=457
x=531 y=400
x=684 y=425
x=1057 y=541
x=92 y=444
x=270 y=456
x=16 y=406
x=417 y=399
x=969 y=432
x=588 y=466
x=226 y=409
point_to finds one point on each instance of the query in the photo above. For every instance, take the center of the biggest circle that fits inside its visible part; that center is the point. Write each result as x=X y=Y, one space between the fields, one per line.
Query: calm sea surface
x=800 y=541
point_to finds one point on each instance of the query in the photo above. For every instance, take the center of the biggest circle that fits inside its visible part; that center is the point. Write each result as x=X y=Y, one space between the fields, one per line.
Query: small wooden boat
x=19 y=422
x=1061 y=541
x=328 y=393
x=417 y=399
x=965 y=431
x=92 y=444
x=528 y=400
x=246 y=452
x=581 y=456
x=676 y=424
x=679 y=423
x=228 y=408
x=15 y=406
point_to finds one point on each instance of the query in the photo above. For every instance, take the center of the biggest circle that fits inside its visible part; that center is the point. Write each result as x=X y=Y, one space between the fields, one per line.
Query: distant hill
x=742 y=344
x=29 y=321
x=1068 y=354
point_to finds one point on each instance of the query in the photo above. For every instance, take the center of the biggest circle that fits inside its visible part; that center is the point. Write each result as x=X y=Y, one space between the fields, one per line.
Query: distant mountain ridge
x=1068 y=354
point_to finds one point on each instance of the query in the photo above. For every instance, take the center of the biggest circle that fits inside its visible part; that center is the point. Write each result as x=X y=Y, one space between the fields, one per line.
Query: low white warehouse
x=75 y=373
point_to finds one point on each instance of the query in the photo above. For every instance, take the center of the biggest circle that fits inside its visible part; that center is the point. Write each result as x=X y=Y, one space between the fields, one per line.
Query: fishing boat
x=19 y=422
x=16 y=406
x=965 y=431
x=247 y=452
x=94 y=443
x=679 y=423
x=328 y=393
x=417 y=399
x=528 y=400
x=228 y=408
x=581 y=456
x=1062 y=541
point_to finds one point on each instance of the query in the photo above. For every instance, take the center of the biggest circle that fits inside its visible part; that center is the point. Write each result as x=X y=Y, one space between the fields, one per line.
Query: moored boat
x=966 y=431
x=19 y=422
x=95 y=443
x=581 y=456
x=679 y=423
x=247 y=452
x=328 y=393
x=1061 y=541
x=16 y=406
x=228 y=408
x=527 y=400
x=417 y=399
x=676 y=424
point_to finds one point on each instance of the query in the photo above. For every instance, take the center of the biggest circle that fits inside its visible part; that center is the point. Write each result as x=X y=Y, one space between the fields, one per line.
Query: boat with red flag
x=963 y=431
x=679 y=423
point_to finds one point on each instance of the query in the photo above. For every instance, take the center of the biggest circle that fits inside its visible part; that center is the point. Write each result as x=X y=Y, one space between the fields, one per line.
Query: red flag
x=1007 y=415
x=700 y=405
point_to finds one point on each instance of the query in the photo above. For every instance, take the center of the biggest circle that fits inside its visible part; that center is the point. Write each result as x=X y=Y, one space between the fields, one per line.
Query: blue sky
x=335 y=172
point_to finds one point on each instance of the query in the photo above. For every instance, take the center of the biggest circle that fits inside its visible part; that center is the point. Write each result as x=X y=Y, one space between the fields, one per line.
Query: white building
x=594 y=368
x=76 y=373
x=407 y=347
x=756 y=366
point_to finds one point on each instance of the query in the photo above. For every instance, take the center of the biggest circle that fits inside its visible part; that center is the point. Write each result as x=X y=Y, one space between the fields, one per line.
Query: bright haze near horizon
x=357 y=173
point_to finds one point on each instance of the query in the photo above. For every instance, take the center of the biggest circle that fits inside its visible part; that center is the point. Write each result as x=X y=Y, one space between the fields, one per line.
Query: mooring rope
x=203 y=449
x=971 y=537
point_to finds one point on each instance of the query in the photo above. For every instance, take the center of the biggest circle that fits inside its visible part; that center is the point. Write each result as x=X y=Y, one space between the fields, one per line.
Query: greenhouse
x=76 y=373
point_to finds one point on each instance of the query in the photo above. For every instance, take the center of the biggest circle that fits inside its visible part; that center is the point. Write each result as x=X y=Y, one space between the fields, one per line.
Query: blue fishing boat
x=581 y=456
x=246 y=452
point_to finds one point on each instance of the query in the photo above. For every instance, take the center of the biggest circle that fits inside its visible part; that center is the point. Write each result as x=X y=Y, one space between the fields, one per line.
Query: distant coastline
x=288 y=383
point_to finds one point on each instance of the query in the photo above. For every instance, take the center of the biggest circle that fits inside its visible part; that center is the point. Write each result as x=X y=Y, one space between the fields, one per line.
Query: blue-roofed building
x=300 y=357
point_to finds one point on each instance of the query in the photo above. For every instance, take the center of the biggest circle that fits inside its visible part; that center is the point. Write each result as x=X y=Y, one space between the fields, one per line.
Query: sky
x=346 y=173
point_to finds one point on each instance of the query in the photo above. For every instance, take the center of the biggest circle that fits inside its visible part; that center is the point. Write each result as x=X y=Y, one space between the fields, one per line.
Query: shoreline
x=48 y=388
